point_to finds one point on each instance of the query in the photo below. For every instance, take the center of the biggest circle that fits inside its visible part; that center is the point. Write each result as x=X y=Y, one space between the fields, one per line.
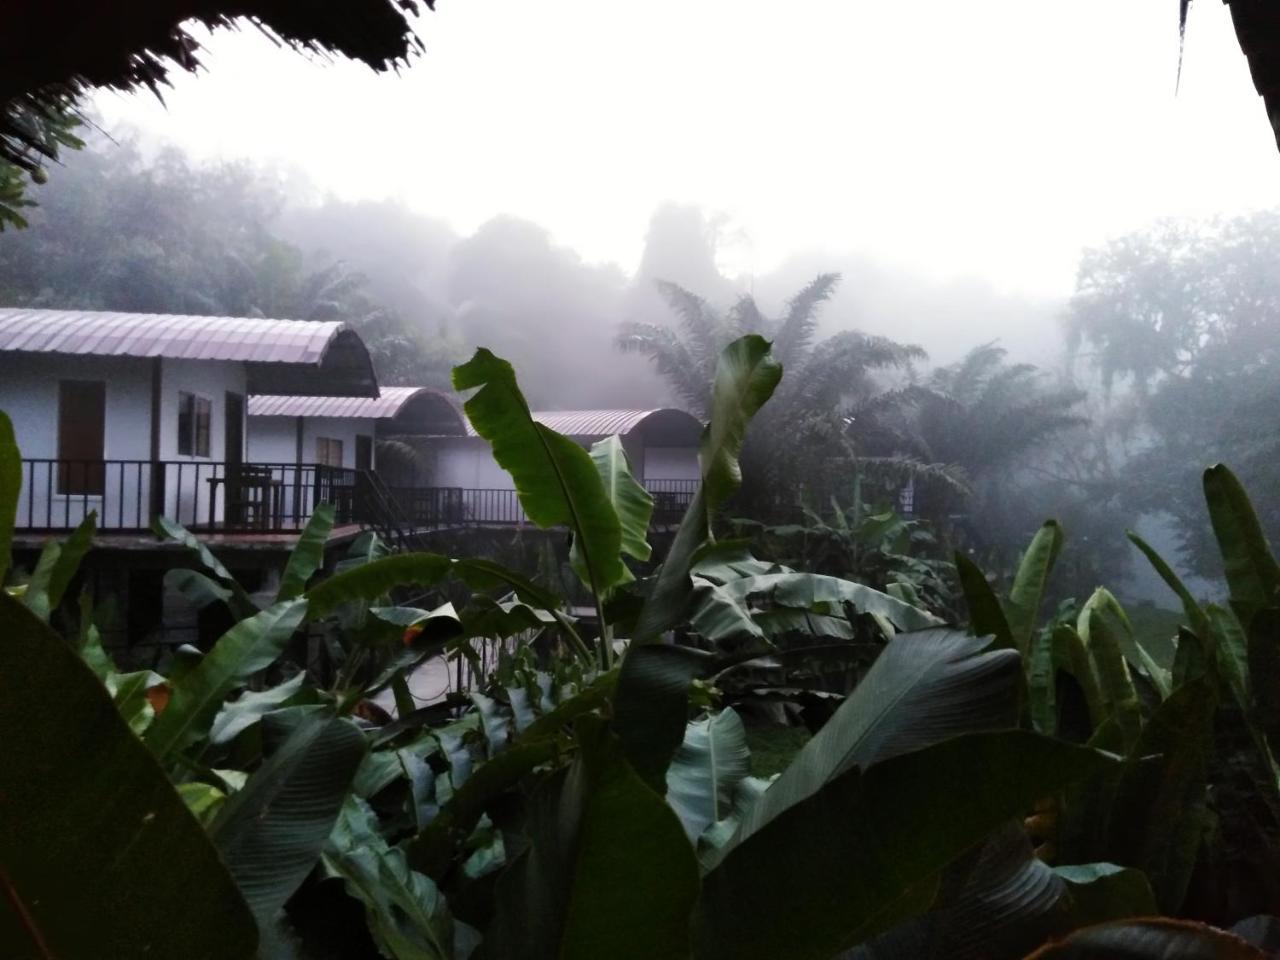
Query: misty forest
x=384 y=583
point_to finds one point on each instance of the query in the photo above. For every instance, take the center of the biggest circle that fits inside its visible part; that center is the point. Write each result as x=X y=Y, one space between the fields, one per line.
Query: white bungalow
x=435 y=470
x=343 y=431
x=134 y=415
x=661 y=445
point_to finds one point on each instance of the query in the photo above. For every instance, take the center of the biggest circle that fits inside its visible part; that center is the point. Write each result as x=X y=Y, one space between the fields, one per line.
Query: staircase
x=378 y=509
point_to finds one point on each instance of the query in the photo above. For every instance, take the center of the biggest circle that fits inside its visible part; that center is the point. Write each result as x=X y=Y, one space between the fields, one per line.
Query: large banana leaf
x=10 y=490
x=986 y=616
x=251 y=706
x=555 y=479
x=201 y=590
x=813 y=591
x=1195 y=616
x=376 y=578
x=1160 y=810
x=706 y=770
x=1251 y=569
x=251 y=645
x=1231 y=649
x=1029 y=583
x=36 y=594
x=270 y=832
x=651 y=704
x=1264 y=673
x=924 y=688
x=996 y=901
x=1042 y=678
x=668 y=604
x=407 y=914
x=864 y=850
x=631 y=501
x=172 y=530
x=746 y=376
x=98 y=854
x=1153 y=938
x=1101 y=892
x=308 y=553
x=70 y=555
x=999 y=901
x=574 y=894
x=431 y=850
x=1103 y=628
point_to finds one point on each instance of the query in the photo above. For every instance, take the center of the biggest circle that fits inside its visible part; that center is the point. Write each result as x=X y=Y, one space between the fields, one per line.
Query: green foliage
x=556 y=480
x=570 y=895
x=706 y=770
x=270 y=832
x=873 y=842
x=308 y=553
x=1178 y=325
x=407 y=914
x=248 y=647
x=803 y=441
x=562 y=808
x=83 y=862
x=630 y=500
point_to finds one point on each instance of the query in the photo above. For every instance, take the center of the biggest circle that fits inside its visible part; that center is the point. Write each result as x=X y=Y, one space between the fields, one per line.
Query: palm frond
x=662 y=345
x=795 y=333
x=745 y=317
x=901 y=468
x=697 y=319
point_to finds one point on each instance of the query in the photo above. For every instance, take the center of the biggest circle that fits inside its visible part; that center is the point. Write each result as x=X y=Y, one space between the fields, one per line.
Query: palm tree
x=995 y=421
x=823 y=417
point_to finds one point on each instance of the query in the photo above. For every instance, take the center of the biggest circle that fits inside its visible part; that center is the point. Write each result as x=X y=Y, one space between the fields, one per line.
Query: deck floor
x=267 y=540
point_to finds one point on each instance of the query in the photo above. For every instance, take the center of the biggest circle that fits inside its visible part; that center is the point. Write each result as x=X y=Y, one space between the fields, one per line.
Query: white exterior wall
x=273 y=440
x=671 y=463
x=468 y=462
x=188 y=491
x=337 y=428
x=29 y=394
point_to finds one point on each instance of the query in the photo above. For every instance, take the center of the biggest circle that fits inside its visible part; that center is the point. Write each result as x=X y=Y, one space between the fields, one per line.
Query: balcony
x=202 y=495
x=434 y=508
x=254 y=498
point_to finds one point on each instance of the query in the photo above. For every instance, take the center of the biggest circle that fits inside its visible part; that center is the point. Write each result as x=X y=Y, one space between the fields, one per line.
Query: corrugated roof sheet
x=590 y=423
x=389 y=404
x=173 y=336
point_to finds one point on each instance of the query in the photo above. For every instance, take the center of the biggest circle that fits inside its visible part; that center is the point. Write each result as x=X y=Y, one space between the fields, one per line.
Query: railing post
x=157 y=491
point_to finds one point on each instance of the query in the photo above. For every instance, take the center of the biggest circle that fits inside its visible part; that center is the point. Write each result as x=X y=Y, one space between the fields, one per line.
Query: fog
x=989 y=141
x=973 y=173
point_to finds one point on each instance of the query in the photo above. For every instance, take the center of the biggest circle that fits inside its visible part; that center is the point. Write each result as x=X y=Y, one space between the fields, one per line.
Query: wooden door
x=236 y=507
x=82 y=418
x=233 y=444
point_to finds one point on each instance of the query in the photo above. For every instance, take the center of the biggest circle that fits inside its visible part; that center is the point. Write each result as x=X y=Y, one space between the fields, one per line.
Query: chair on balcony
x=254 y=497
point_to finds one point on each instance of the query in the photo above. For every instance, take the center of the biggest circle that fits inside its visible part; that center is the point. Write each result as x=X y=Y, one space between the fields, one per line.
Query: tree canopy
x=1181 y=323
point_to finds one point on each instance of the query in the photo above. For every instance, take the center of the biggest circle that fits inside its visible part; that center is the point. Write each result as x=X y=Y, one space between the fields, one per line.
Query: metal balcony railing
x=436 y=507
x=204 y=495
x=213 y=496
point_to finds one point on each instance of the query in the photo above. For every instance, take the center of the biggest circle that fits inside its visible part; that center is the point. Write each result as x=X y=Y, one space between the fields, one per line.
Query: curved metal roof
x=324 y=344
x=391 y=401
x=600 y=423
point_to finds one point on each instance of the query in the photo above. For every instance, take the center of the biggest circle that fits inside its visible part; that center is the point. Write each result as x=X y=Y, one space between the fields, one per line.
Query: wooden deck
x=268 y=541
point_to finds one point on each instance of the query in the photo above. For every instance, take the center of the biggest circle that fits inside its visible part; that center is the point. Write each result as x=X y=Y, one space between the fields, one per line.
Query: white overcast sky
x=991 y=138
